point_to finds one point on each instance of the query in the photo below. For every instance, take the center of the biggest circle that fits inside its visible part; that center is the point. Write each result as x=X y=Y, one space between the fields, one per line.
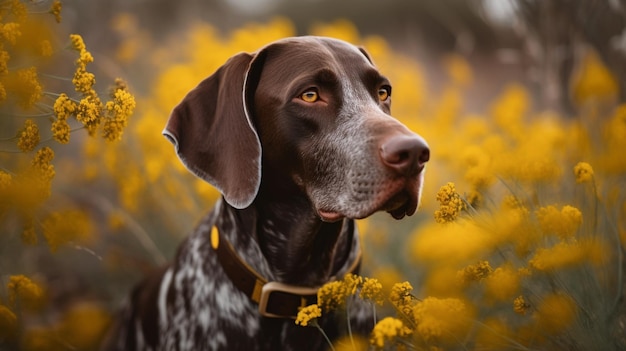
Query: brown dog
x=298 y=139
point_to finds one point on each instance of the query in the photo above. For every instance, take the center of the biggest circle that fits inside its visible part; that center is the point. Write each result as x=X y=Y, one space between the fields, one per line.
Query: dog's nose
x=405 y=153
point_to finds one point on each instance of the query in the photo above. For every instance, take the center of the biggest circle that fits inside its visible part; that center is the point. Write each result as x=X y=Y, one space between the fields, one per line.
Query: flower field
x=518 y=244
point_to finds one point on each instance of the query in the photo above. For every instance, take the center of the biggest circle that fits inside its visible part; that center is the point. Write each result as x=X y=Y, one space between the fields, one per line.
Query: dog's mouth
x=402 y=201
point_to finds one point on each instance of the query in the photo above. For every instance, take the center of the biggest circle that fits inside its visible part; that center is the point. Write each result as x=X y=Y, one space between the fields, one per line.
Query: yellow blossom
x=502 y=284
x=28 y=136
x=372 y=290
x=77 y=42
x=46 y=48
x=55 y=10
x=66 y=226
x=475 y=272
x=64 y=107
x=401 y=297
x=555 y=312
x=593 y=81
x=387 y=330
x=25 y=85
x=520 y=305
x=42 y=163
x=89 y=111
x=563 y=223
x=352 y=343
x=583 y=172
x=84 y=325
x=308 y=314
x=567 y=254
x=352 y=283
x=458 y=69
x=4 y=61
x=437 y=317
x=6 y=181
x=8 y=323
x=61 y=131
x=24 y=292
x=332 y=295
x=118 y=111
x=29 y=236
x=9 y=32
x=84 y=81
x=3 y=93
x=450 y=204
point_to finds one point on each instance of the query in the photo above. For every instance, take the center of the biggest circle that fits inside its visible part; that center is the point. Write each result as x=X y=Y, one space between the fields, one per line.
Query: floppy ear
x=366 y=54
x=214 y=136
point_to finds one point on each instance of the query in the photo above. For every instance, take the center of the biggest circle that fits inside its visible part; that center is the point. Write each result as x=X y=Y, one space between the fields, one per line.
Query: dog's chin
x=398 y=204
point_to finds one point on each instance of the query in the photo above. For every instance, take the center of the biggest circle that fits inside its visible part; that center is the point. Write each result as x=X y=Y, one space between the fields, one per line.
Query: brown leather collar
x=275 y=299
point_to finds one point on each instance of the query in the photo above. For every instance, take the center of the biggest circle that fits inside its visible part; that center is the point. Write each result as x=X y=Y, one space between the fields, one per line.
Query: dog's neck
x=300 y=248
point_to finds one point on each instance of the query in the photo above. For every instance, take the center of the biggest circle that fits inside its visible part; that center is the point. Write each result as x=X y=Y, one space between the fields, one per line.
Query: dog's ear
x=366 y=54
x=213 y=132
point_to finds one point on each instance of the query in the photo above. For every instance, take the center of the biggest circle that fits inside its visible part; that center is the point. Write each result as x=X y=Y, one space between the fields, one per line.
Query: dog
x=299 y=140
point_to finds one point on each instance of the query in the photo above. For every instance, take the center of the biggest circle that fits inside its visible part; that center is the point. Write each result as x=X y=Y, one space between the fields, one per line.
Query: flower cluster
x=450 y=202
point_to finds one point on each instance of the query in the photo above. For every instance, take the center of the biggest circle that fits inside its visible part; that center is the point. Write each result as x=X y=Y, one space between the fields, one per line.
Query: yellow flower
x=4 y=60
x=84 y=81
x=450 y=204
x=55 y=10
x=3 y=93
x=520 y=305
x=118 y=111
x=6 y=180
x=475 y=272
x=372 y=290
x=438 y=317
x=352 y=343
x=28 y=136
x=66 y=226
x=9 y=32
x=42 y=163
x=401 y=297
x=61 y=131
x=308 y=314
x=46 y=48
x=29 y=236
x=555 y=313
x=77 y=42
x=593 y=81
x=64 y=107
x=332 y=295
x=563 y=223
x=8 y=322
x=566 y=254
x=388 y=329
x=352 y=283
x=583 y=172
x=27 y=87
x=89 y=111
x=502 y=284
x=458 y=70
x=24 y=292
x=84 y=325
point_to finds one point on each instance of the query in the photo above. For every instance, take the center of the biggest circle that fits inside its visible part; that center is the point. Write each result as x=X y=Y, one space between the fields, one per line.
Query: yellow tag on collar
x=215 y=238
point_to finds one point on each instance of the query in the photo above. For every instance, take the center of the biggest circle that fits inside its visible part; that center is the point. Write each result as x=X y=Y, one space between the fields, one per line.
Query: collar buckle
x=279 y=300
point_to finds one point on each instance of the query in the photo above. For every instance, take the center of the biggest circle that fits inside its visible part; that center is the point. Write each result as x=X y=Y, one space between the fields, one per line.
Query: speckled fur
x=316 y=160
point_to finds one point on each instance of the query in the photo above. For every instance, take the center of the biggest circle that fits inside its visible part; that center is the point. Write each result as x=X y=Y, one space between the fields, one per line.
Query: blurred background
x=546 y=77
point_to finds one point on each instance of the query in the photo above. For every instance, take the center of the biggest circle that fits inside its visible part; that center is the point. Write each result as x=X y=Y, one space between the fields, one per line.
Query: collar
x=276 y=300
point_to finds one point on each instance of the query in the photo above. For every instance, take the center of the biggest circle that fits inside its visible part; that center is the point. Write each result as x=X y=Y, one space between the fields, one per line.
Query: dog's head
x=314 y=112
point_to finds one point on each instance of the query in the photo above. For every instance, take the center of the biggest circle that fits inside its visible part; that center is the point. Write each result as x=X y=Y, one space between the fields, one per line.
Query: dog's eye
x=310 y=96
x=384 y=93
